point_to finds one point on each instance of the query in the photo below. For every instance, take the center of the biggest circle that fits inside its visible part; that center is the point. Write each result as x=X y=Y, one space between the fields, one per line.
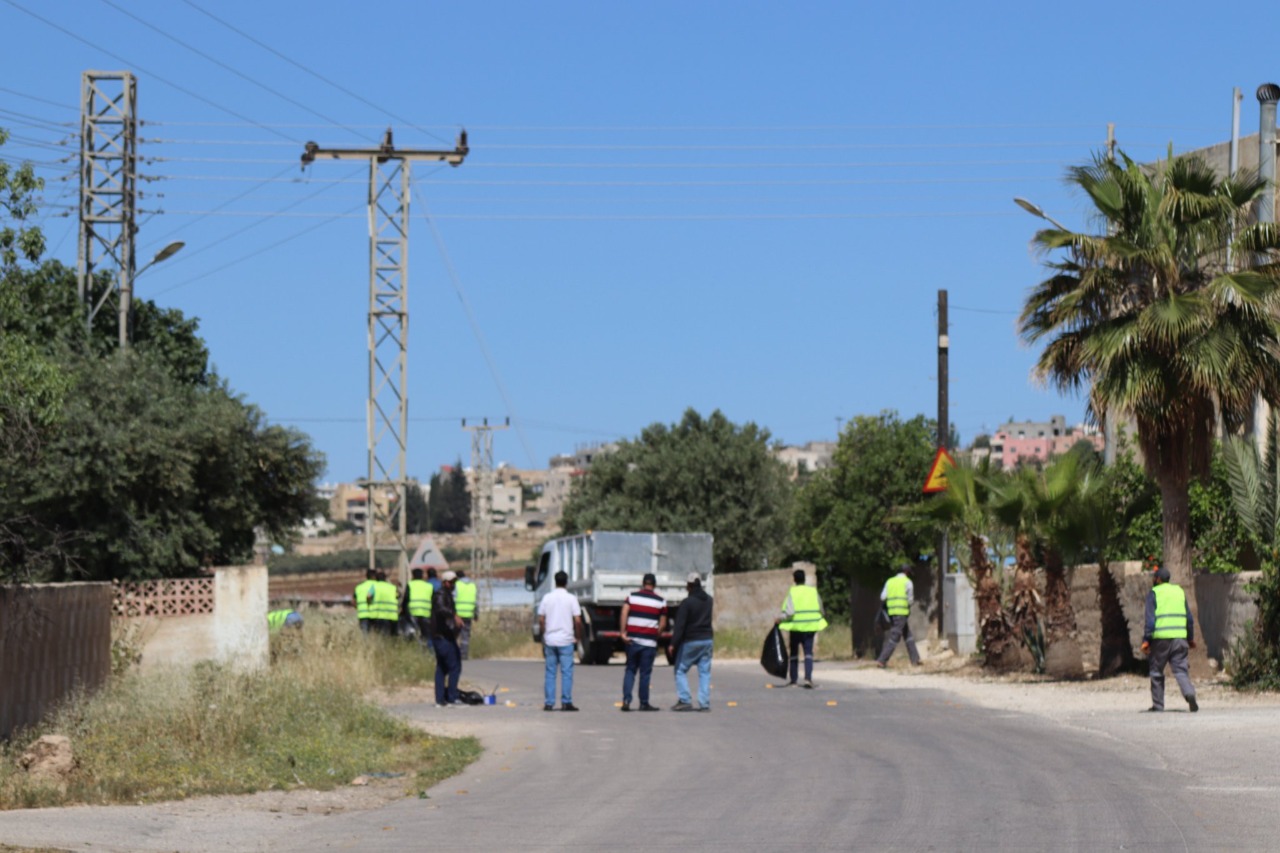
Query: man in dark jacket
x=445 y=627
x=692 y=638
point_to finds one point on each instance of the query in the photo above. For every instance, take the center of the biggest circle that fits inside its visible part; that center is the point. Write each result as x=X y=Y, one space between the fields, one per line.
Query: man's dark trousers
x=448 y=666
x=802 y=640
x=638 y=658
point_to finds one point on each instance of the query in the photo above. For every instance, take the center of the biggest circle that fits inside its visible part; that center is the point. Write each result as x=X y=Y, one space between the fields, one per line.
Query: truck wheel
x=585 y=656
x=601 y=651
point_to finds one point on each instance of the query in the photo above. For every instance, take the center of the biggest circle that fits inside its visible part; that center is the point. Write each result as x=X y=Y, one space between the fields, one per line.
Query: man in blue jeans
x=692 y=638
x=644 y=618
x=559 y=622
x=445 y=626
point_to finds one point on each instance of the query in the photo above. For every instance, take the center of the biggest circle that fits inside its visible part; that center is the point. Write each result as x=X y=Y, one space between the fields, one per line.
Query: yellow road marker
x=732 y=704
x=831 y=703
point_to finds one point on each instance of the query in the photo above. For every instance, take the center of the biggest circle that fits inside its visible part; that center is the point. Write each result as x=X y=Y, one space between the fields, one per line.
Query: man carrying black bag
x=802 y=616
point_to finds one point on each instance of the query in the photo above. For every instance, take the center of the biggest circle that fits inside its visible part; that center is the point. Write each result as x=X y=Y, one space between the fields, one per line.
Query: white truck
x=604 y=567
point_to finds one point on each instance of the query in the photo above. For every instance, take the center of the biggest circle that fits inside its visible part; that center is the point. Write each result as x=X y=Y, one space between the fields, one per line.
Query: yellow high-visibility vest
x=275 y=619
x=420 y=598
x=464 y=598
x=895 y=600
x=362 y=598
x=1171 y=612
x=808 y=610
x=385 y=603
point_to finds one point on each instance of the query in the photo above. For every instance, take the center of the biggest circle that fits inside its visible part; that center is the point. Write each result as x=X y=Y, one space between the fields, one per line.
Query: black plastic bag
x=774 y=655
x=470 y=697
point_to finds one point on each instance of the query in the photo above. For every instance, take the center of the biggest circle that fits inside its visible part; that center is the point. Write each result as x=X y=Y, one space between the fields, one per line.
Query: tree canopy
x=449 y=504
x=698 y=475
x=844 y=516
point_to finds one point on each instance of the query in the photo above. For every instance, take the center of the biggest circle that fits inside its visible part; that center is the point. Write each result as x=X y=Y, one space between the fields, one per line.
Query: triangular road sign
x=937 y=479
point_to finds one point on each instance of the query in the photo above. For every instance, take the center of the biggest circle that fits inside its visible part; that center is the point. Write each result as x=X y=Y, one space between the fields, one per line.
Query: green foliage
x=700 y=475
x=845 y=516
x=18 y=186
x=356 y=560
x=1149 y=320
x=157 y=478
x=449 y=509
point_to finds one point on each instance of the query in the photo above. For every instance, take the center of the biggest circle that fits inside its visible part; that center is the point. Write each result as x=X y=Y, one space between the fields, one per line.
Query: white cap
x=449 y=576
x=694 y=577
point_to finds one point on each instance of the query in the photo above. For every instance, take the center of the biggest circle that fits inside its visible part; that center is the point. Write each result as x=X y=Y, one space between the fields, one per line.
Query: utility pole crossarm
x=387 y=151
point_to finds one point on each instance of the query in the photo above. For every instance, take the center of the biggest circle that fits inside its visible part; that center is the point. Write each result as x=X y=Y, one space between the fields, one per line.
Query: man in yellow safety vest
x=384 y=605
x=417 y=606
x=802 y=616
x=1169 y=632
x=361 y=597
x=466 y=598
x=897 y=595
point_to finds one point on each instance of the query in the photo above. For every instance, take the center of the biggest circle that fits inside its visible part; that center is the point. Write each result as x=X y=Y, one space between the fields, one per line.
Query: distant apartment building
x=1022 y=442
x=565 y=469
x=350 y=502
x=813 y=456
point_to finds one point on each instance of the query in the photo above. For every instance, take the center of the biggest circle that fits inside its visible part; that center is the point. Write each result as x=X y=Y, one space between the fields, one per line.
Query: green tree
x=845 y=516
x=449 y=508
x=18 y=186
x=700 y=475
x=1150 y=319
x=416 y=506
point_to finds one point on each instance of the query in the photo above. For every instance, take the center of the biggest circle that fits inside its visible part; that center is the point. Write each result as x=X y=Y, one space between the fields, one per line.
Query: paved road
x=846 y=766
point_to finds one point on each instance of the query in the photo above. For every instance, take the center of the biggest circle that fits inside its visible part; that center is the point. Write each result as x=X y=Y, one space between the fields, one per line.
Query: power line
x=533 y=146
x=58 y=104
x=606 y=217
x=223 y=65
x=160 y=241
x=305 y=69
x=159 y=77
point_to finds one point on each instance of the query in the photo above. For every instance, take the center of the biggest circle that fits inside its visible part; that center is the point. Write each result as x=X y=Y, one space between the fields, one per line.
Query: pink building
x=1020 y=442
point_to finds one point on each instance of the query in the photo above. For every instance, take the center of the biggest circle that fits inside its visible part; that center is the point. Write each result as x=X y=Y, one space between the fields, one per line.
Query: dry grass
x=210 y=729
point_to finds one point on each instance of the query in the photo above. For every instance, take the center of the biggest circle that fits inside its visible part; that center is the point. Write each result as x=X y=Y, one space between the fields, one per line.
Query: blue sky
x=738 y=206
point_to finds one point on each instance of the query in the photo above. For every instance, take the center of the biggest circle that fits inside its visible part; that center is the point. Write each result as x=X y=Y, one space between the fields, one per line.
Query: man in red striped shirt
x=644 y=618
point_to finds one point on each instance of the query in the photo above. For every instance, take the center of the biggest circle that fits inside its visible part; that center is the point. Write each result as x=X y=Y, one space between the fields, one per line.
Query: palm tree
x=965 y=510
x=1149 y=318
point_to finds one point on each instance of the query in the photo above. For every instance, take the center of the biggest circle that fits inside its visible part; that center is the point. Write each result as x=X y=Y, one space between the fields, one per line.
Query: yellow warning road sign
x=937 y=479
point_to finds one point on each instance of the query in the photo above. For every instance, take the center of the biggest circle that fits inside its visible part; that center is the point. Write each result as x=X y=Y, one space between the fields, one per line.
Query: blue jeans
x=638 y=658
x=448 y=669
x=694 y=652
x=561 y=657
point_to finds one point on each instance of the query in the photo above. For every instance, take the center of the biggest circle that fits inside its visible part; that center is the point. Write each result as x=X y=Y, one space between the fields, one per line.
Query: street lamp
x=1036 y=210
x=126 y=291
x=163 y=255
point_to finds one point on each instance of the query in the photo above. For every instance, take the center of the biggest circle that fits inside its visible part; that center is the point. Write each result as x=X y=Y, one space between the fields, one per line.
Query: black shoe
x=647 y=707
x=626 y=706
x=1191 y=701
x=1154 y=710
x=568 y=706
x=682 y=706
x=548 y=707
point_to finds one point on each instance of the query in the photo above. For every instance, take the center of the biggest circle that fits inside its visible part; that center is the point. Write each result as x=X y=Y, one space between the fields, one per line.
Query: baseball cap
x=449 y=576
x=693 y=577
x=1162 y=573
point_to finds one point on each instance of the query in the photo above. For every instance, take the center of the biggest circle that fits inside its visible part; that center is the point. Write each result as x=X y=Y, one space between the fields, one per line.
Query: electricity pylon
x=108 y=192
x=482 y=501
x=388 y=405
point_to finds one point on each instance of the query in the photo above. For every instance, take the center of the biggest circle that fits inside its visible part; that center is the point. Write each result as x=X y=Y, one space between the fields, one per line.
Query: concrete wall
x=236 y=631
x=864 y=604
x=54 y=638
x=751 y=600
x=1226 y=608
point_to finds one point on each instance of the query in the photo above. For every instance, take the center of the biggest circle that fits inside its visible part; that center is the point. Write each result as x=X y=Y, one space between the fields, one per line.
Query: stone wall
x=54 y=638
x=751 y=600
x=234 y=632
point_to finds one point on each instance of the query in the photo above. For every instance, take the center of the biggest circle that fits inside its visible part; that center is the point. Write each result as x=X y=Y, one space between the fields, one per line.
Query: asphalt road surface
x=842 y=767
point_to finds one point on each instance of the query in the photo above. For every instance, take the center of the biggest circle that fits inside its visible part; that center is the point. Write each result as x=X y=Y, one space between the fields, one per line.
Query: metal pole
x=944 y=439
x=1265 y=211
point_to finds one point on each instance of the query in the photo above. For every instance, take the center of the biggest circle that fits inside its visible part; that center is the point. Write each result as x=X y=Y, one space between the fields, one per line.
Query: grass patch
x=210 y=729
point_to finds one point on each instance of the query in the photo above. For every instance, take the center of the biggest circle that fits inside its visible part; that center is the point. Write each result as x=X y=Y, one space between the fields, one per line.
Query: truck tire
x=585 y=642
x=600 y=652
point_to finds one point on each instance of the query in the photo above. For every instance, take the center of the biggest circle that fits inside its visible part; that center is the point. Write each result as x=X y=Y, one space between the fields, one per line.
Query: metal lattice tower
x=387 y=411
x=482 y=501
x=108 y=192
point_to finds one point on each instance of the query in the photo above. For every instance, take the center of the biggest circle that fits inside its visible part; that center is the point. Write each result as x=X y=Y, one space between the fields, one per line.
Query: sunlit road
x=869 y=761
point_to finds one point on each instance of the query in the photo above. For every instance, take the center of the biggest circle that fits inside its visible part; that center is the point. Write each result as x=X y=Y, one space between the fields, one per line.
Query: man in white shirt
x=559 y=622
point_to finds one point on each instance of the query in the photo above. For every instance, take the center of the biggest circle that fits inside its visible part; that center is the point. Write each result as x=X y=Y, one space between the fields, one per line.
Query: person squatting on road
x=361 y=599
x=417 y=607
x=560 y=623
x=644 y=618
x=803 y=618
x=466 y=596
x=692 y=639
x=897 y=595
x=1169 y=633
x=445 y=625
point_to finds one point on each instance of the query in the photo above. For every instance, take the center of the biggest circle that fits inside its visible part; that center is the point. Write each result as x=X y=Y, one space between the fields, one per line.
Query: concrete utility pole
x=482 y=501
x=944 y=440
x=108 y=192
x=387 y=410
x=1265 y=213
